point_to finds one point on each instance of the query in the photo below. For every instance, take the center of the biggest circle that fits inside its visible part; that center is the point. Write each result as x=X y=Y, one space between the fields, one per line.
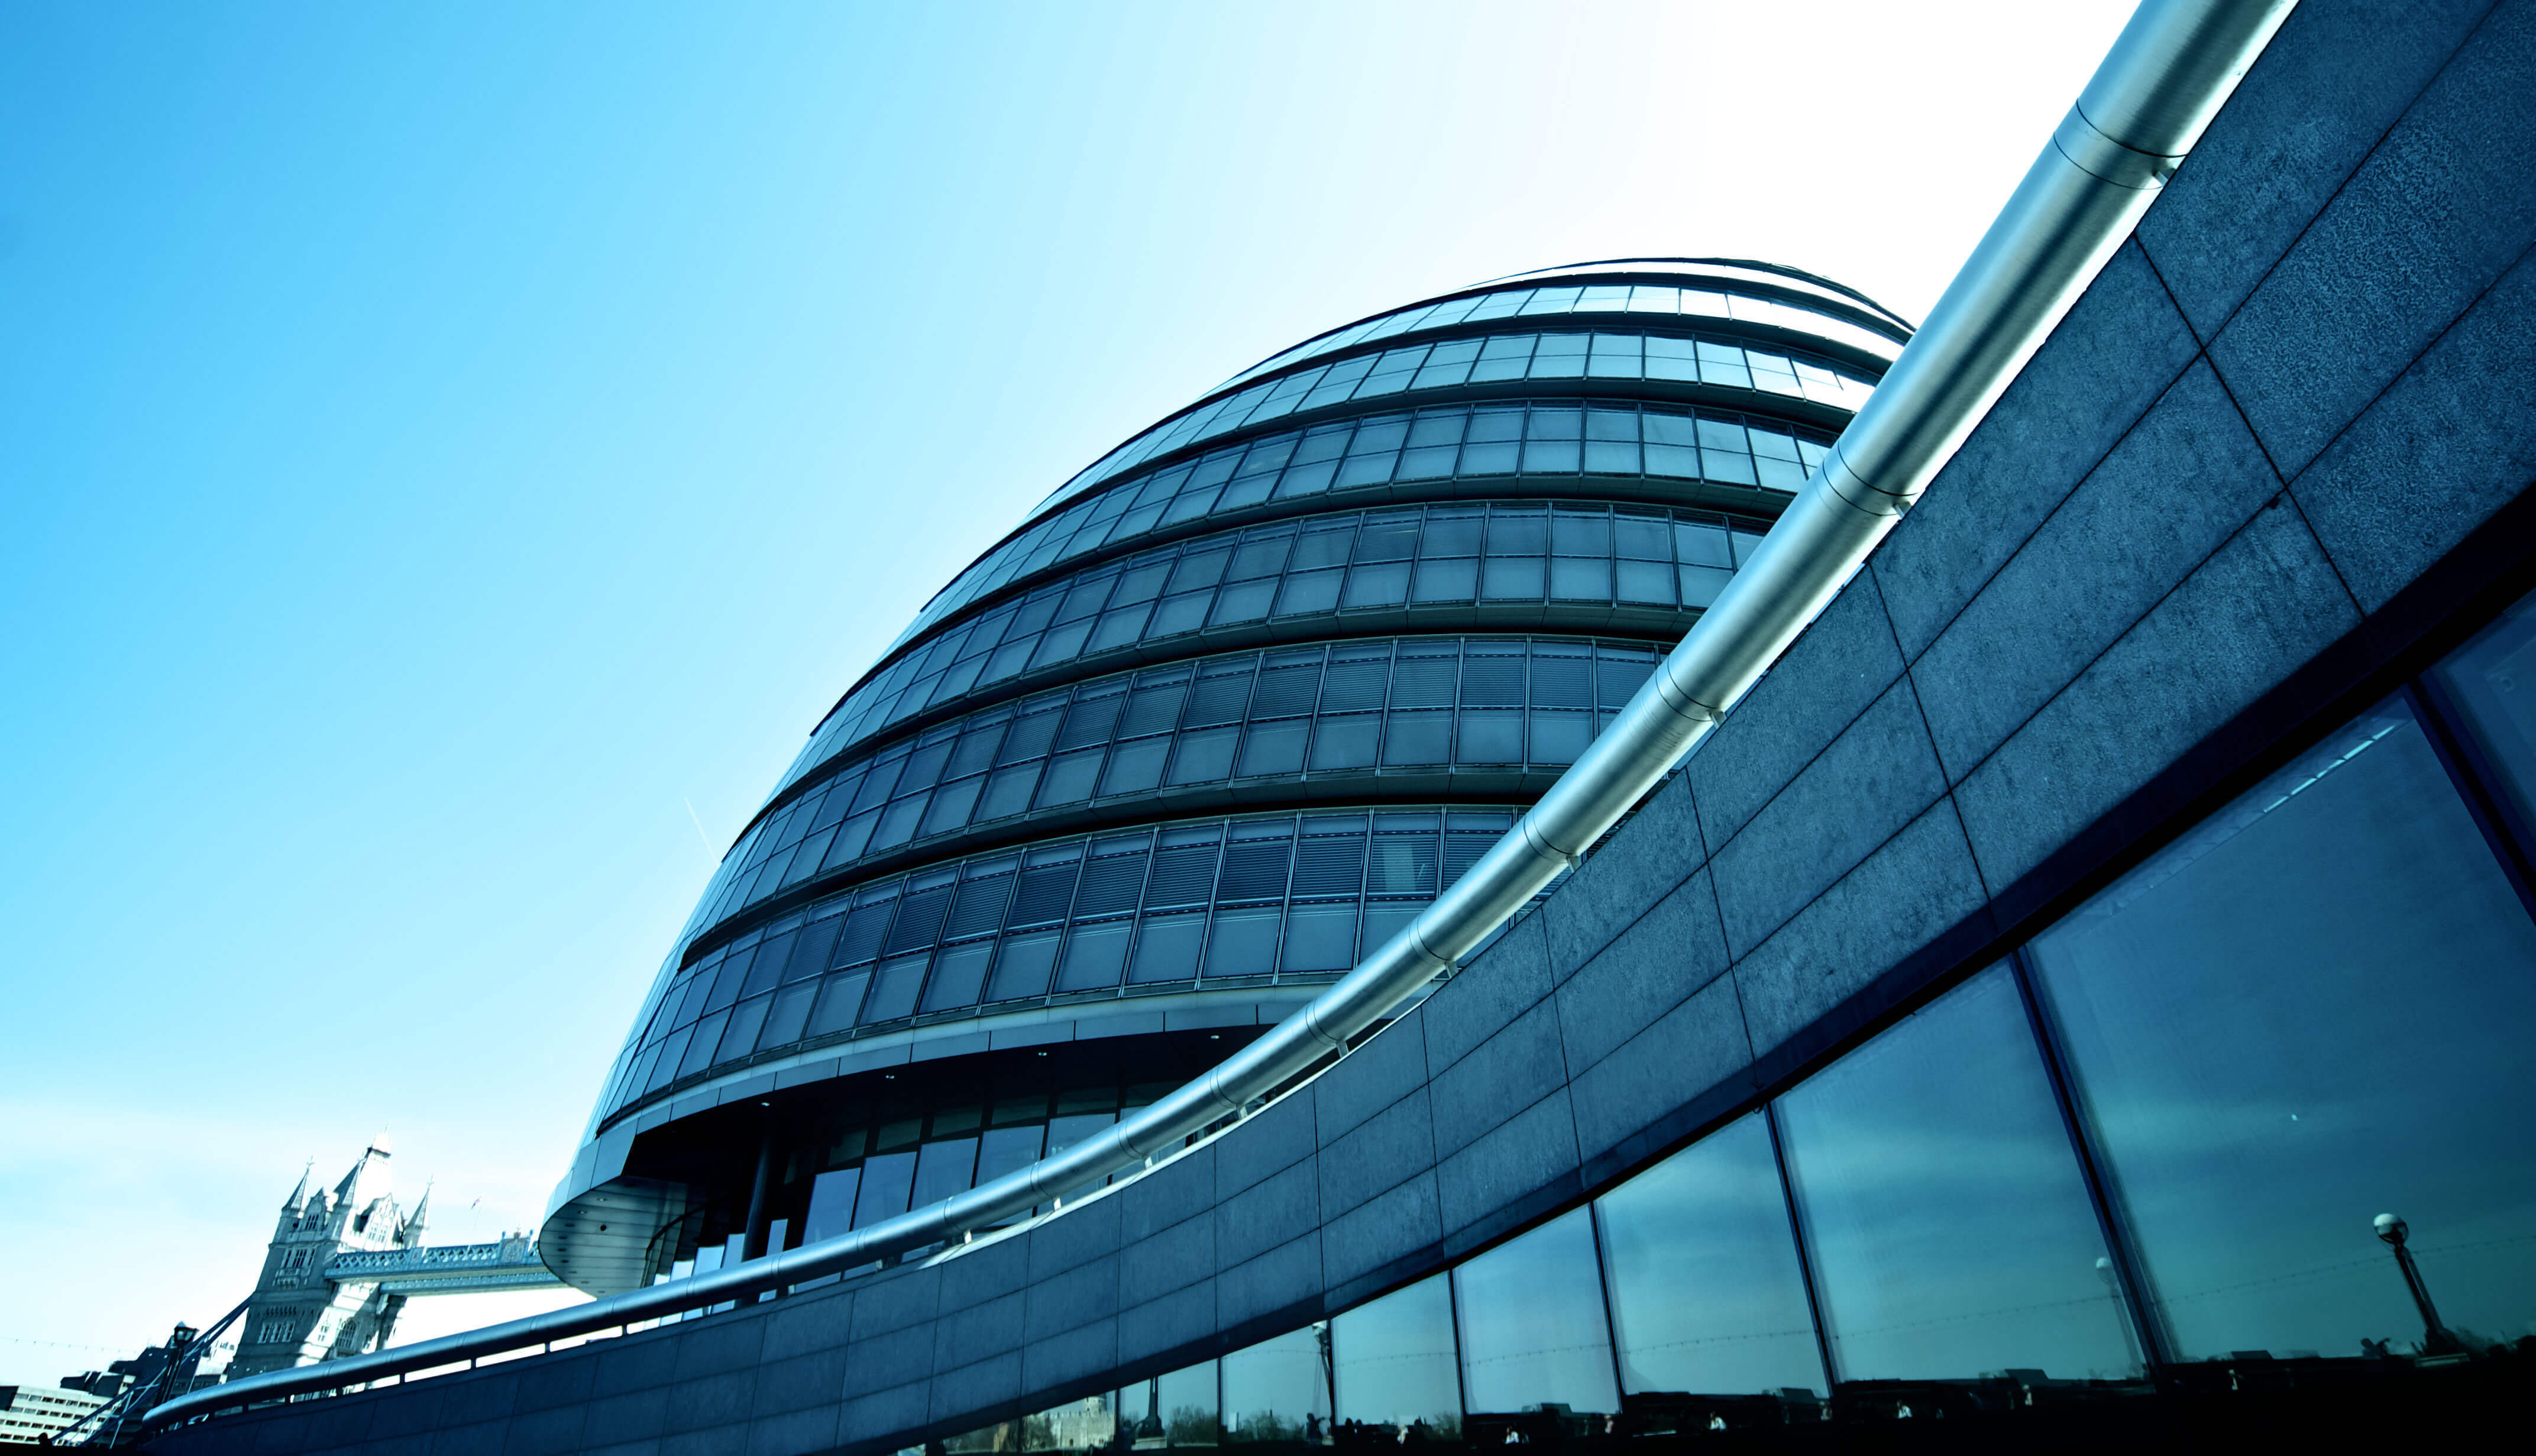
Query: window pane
x=887 y=1179
x=2314 y=1009
x=1706 y=1294
x=2492 y=681
x=1278 y=1390
x=832 y=1204
x=1949 y=1226
x=1087 y=1425
x=1173 y=1409
x=1393 y=1361
x=1531 y=1322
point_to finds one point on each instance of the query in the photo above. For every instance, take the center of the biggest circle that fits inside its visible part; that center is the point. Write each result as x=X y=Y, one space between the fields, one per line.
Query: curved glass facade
x=1509 y=563
x=1866 y=336
x=1415 y=707
x=2146 y=1150
x=1182 y=905
x=1658 y=300
x=1395 y=456
x=1226 y=713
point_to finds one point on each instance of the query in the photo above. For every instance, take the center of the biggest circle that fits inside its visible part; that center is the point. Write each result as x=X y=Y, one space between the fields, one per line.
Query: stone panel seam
x=1679 y=771
x=2278 y=499
x=1939 y=630
x=2429 y=347
x=1947 y=798
x=2339 y=187
x=2229 y=391
x=1735 y=962
x=1741 y=1012
x=2044 y=522
x=1990 y=894
x=1815 y=757
x=1910 y=816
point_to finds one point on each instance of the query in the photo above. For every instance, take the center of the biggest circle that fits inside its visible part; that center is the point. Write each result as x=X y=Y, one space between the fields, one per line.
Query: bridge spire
x=410 y=1233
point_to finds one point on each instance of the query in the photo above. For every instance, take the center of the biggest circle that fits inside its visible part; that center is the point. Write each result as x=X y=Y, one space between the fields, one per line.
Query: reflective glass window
x=1279 y=1389
x=1394 y=1362
x=1173 y=1409
x=1945 y=1217
x=832 y=1204
x=917 y=787
x=1531 y=1320
x=1349 y=455
x=2314 y=1008
x=1707 y=1295
x=887 y=1180
x=2491 y=683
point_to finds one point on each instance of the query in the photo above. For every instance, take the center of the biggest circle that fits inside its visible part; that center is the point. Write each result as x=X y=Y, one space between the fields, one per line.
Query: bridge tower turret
x=297 y=1315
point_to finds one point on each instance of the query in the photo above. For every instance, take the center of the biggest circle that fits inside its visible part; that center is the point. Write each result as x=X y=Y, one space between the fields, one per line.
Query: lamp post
x=2436 y=1338
x=2123 y=1313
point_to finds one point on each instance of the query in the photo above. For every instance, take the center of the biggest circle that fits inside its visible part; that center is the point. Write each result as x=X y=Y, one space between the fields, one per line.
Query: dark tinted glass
x=1706 y=1293
x=1173 y=1409
x=1278 y=1390
x=1532 y=1323
x=1944 y=1209
x=2316 y=1008
x=1394 y=1361
x=2491 y=681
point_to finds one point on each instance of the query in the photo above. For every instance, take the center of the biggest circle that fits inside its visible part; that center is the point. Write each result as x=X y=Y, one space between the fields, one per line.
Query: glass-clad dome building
x=1226 y=710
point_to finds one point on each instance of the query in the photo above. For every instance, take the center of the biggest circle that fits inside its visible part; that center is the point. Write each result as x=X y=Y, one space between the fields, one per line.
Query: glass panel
x=1531 y=1322
x=2313 y=1009
x=1087 y=1425
x=887 y=1180
x=1706 y=1293
x=832 y=1204
x=2492 y=681
x=1279 y=1389
x=1173 y=1409
x=943 y=1168
x=1393 y=1361
x=1949 y=1227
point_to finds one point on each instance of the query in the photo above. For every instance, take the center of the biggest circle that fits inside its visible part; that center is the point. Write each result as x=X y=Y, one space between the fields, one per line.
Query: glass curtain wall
x=2298 y=1030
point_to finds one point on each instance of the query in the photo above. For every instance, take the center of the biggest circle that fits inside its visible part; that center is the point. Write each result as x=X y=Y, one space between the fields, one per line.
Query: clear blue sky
x=439 y=444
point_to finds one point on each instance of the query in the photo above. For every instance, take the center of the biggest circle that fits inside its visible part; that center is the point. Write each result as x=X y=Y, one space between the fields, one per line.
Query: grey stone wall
x=2268 y=454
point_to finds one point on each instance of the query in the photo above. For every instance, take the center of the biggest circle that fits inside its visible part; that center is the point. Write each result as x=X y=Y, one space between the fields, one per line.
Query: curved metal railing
x=2176 y=62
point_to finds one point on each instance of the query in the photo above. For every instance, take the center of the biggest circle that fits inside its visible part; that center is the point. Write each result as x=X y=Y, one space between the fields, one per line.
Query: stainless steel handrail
x=2174 y=64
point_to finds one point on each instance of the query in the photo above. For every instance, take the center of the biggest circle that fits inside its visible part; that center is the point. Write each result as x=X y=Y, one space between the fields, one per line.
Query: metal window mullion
x=1610 y=1320
x=2157 y=1348
x=1453 y=1324
x=1805 y=1253
x=2470 y=771
x=1205 y=911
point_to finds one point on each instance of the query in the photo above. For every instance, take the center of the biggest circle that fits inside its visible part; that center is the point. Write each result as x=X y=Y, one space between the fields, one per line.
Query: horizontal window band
x=1765 y=408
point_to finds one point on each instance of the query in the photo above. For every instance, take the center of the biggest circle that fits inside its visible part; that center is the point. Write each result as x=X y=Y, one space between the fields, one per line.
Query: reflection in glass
x=1706 y=1293
x=2313 y=1009
x=1393 y=1363
x=1944 y=1209
x=886 y=1182
x=2492 y=681
x=832 y=1204
x=1173 y=1409
x=1279 y=1389
x=1087 y=1425
x=1531 y=1322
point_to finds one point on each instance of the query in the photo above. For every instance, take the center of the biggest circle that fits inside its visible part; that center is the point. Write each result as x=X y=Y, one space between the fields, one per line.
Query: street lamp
x=2113 y=1279
x=2436 y=1338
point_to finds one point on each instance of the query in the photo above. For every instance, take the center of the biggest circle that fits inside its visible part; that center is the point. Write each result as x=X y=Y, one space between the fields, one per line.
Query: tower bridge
x=504 y=1265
